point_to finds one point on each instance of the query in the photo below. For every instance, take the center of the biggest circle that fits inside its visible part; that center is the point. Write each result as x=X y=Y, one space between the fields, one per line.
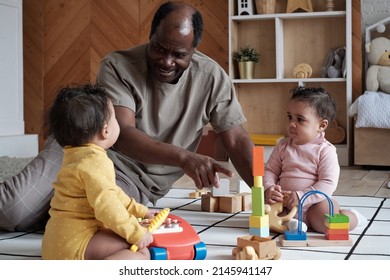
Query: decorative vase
x=246 y=69
x=265 y=6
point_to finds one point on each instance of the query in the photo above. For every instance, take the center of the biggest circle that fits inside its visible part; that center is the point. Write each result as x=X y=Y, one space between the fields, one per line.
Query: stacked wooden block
x=221 y=200
x=337 y=227
x=258 y=221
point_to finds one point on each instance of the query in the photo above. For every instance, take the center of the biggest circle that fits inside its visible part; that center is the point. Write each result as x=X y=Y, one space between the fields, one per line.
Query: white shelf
x=290 y=16
x=289 y=80
x=284 y=40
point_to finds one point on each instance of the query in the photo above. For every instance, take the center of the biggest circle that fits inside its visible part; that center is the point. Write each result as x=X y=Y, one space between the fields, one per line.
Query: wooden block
x=336 y=218
x=197 y=194
x=336 y=231
x=337 y=225
x=224 y=188
x=294 y=235
x=230 y=203
x=258 y=181
x=258 y=208
x=242 y=187
x=259 y=221
x=246 y=199
x=209 y=203
x=258 y=161
x=262 y=232
x=337 y=234
x=314 y=241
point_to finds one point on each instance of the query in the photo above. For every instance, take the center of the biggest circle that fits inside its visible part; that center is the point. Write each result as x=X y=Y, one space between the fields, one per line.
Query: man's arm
x=238 y=146
x=142 y=148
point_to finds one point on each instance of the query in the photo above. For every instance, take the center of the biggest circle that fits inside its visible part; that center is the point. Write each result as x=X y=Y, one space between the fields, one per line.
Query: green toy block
x=337 y=218
x=258 y=201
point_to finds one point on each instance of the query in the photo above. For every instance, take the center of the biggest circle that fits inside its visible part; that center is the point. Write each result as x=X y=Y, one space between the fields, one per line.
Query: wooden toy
x=176 y=239
x=261 y=226
x=329 y=5
x=155 y=223
x=230 y=203
x=198 y=193
x=337 y=233
x=296 y=5
x=276 y=222
x=302 y=71
x=246 y=201
x=242 y=187
x=256 y=248
x=209 y=203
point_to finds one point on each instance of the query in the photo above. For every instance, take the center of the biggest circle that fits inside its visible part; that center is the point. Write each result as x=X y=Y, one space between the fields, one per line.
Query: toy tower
x=337 y=227
x=258 y=221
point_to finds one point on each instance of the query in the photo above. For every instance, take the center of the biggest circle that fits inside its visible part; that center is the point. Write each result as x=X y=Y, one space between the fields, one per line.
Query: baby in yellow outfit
x=90 y=216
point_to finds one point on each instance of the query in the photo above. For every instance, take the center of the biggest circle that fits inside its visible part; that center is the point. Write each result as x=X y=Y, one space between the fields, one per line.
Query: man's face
x=170 y=50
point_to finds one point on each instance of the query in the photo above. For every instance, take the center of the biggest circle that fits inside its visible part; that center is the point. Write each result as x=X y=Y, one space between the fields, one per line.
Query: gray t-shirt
x=170 y=113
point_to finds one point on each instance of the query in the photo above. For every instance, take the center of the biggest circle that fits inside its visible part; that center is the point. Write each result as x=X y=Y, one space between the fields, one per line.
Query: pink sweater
x=302 y=168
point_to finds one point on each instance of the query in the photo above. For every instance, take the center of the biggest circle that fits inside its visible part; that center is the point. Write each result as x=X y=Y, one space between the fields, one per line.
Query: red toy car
x=176 y=239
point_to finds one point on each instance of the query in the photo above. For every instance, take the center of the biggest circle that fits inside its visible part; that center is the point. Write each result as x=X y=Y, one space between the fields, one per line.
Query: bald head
x=181 y=18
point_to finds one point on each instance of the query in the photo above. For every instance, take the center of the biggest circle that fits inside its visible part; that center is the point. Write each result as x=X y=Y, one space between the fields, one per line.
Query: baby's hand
x=273 y=194
x=151 y=213
x=291 y=199
x=145 y=240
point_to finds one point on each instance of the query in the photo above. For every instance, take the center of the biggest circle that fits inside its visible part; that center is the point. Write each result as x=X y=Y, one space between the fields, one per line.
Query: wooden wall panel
x=215 y=42
x=33 y=65
x=66 y=40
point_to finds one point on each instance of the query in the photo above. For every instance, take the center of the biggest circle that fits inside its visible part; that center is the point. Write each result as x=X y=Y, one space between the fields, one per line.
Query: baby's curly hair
x=318 y=98
x=78 y=113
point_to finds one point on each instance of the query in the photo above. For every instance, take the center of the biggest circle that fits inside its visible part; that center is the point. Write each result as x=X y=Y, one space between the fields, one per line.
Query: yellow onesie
x=86 y=199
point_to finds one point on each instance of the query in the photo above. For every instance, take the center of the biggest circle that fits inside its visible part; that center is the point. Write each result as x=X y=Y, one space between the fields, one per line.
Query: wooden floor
x=358 y=181
x=354 y=181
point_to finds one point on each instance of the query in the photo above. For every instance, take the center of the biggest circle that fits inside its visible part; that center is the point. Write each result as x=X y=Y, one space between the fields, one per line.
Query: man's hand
x=203 y=170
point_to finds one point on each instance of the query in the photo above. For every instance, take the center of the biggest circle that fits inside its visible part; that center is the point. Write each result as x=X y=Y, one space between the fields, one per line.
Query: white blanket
x=372 y=109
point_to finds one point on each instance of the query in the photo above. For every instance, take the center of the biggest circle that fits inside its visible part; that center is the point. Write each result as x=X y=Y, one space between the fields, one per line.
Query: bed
x=371 y=113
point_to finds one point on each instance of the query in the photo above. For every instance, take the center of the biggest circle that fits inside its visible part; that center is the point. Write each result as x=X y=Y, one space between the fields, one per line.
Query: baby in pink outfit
x=306 y=161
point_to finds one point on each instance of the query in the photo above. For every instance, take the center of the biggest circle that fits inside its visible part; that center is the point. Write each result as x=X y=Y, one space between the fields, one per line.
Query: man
x=164 y=93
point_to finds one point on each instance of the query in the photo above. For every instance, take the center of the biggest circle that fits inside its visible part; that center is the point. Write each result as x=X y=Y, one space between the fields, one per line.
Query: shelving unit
x=285 y=40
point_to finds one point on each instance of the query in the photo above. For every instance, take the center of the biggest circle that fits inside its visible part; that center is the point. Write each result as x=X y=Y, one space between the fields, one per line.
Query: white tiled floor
x=219 y=231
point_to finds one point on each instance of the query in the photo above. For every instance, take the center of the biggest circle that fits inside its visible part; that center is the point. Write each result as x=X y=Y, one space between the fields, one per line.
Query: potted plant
x=246 y=59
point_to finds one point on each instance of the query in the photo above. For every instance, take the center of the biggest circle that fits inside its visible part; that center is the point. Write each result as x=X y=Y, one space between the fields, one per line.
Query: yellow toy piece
x=154 y=224
x=276 y=222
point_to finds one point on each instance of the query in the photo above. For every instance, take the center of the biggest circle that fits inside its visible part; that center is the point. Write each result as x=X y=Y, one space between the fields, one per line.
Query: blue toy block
x=262 y=232
x=295 y=235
